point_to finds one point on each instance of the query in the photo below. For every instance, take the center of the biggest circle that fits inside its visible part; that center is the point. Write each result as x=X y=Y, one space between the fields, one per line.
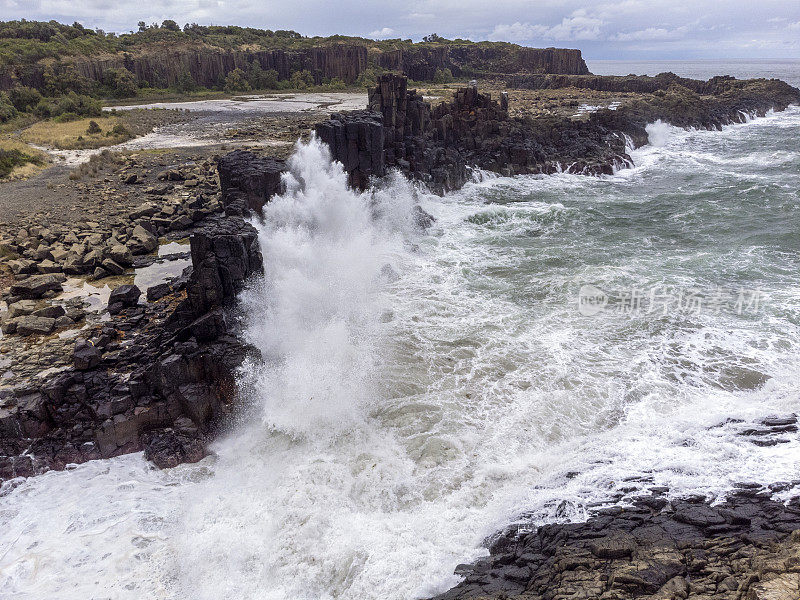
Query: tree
x=24 y=98
x=256 y=76
x=121 y=82
x=443 y=76
x=170 y=25
x=236 y=81
x=271 y=79
x=301 y=79
x=142 y=26
x=185 y=83
x=433 y=38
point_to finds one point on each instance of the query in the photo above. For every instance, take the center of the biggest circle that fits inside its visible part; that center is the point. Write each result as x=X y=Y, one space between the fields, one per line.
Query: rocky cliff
x=422 y=62
x=163 y=65
x=157 y=376
x=440 y=146
x=208 y=66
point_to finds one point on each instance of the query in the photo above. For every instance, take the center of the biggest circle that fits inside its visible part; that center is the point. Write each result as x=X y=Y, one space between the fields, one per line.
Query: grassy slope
x=74 y=134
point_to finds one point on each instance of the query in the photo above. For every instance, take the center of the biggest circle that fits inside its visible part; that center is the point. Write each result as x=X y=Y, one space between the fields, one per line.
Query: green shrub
x=14 y=158
x=66 y=117
x=121 y=83
x=236 y=81
x=301 y=80
x=119 y=129
x=443 y=76
x=93 y=128
x=24 y=98
x=79 y=104
x=7 y=110
x=335 y=84
x=185 y=83
x=43 y=110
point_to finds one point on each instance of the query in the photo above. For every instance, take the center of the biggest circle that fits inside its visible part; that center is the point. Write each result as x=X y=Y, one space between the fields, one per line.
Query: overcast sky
x=623 y=29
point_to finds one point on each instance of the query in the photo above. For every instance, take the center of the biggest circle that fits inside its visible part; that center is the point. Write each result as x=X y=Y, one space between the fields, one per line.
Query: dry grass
x=28 y=169
x=74 y=135
x=96 y=164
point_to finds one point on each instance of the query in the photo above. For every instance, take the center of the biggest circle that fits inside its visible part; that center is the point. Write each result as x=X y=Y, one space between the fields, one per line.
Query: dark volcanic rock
x=356 y=140
x=248 y=181
x=158 y=376
x=741 y=548
x=440 y=146
x=37 y=286
x=122 y=297
x=167 y=448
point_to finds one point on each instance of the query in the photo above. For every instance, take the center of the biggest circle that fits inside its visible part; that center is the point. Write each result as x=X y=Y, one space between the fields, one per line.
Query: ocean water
x=786 y=69
x=551 y=344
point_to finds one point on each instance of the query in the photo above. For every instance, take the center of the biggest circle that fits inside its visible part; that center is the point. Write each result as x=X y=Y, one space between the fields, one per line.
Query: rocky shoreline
x=747 y=546
x=441 y=146
x=160 y=376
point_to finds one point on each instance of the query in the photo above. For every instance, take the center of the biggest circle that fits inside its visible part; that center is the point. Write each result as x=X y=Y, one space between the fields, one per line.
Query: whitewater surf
x=421 y=389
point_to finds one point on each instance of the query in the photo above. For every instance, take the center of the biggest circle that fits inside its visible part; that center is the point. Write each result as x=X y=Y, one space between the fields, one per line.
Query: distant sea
x=786 y=69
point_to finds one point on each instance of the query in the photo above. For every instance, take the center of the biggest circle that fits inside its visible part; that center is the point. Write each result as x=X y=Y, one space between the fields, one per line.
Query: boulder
x=31 y=325
x=36 y=286
x=145 y=210
x=110 y=267
x=120 y=254
x=21 y=308
x=48 y=266
x=157 y=292
x=85 y=356
x=167 y=448
x=21 y=266
x=142 y=241
x=53 y=311
x=123 y=297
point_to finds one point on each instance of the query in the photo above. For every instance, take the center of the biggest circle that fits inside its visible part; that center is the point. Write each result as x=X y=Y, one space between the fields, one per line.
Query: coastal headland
x=120 y=270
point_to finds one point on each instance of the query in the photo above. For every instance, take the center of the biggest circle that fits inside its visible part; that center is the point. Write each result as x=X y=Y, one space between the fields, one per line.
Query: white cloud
x=381 y=33
x=652 y=34
x=517 y=32
x=578 y=26
x=601 y=28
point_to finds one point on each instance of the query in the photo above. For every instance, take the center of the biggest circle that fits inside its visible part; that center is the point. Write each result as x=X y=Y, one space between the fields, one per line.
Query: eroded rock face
x=439 y=146
x=421 y=62
x=248 y=180
x=158 y=377
x=746 y=547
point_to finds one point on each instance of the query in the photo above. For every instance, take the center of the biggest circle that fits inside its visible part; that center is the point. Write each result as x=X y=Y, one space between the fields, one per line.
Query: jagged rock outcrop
x=439 y=146
x=158 y=377
x=658 y=549
x=247 y=181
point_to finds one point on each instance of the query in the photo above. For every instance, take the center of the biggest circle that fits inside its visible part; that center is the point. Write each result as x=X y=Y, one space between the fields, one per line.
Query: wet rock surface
x=659 y=548
x=155 y=376
x=442 y=145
